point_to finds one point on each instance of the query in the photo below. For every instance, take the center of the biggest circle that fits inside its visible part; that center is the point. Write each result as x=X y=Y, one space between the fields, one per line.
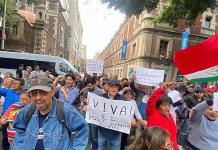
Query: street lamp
x=3 y=26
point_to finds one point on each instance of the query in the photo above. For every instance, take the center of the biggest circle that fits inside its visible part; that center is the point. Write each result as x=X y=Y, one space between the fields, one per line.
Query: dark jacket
x=192 y=101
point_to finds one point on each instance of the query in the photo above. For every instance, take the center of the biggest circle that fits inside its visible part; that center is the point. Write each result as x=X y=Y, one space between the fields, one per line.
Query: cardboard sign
x=111 y=114
x=175 y=96
x=215 y=101
x=94 y=66
x=150 y=77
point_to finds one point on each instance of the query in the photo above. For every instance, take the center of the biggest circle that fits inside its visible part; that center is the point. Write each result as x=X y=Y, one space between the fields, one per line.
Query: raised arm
x=199 y=109
x=150 y=108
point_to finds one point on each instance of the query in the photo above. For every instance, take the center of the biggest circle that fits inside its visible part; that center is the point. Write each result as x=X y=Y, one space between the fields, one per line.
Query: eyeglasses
x=34 y=93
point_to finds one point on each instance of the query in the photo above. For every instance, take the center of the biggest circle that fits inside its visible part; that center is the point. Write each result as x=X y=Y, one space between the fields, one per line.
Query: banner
x=94 y=66
x=185 y=38
x=111 y=114
x=123 y=50
x=150 y=77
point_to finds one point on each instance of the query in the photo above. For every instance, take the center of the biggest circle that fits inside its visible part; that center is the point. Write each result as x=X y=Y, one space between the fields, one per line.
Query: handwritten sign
x=94 y=66
x=111 y=114
x=215 y=101
x=150 y=77
x=175 y=96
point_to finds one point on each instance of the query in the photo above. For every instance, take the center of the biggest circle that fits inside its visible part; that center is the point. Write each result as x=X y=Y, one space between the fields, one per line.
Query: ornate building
x=48 y=27
x=152 y=45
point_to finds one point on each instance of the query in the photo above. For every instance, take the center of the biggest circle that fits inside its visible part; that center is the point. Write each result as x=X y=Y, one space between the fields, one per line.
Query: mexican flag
x=199 y=63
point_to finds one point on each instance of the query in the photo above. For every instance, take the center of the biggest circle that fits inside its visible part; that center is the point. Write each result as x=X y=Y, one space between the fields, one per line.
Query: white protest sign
x=94 y=66
x=175 y=96
x=111 y=114
x=150 y=77
x=215 y=101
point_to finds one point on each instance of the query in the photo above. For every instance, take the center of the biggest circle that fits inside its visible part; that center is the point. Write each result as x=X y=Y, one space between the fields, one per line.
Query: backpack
x=59 y=113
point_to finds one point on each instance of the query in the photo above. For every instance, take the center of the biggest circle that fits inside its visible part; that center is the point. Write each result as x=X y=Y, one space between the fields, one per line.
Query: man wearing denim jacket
x=44 y=131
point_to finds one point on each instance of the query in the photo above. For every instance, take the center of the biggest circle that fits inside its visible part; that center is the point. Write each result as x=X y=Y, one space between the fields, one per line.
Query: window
x=207 y=22
x=15 y=29
x=40 y=15
x=16 y=62
x=65 y=68
x=163 y=48
x=133 y=50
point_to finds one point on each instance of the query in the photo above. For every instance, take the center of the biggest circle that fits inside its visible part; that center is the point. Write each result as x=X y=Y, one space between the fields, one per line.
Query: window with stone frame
x=163 y=48
x=133 y=50
x=15 y=30
x=207 y=22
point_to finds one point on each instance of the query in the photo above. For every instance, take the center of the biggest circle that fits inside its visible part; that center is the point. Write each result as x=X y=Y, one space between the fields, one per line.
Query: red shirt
x=155 y=118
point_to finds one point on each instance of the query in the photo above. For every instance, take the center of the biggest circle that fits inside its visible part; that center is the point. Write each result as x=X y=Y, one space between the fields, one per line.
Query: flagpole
x=3 y=26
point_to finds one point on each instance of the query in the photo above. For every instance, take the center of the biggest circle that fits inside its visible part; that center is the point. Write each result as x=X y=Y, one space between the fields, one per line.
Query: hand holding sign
x=94 y=66
x=150 y=77
x=114 y=115
x=175 y=96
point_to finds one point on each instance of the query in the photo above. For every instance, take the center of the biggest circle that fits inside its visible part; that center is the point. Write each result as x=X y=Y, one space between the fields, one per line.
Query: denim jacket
x=54 y=137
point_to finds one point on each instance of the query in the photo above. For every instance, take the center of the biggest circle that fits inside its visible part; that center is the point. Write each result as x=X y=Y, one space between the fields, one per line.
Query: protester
x=38 y=126
x=1 y=78
x=11 y=113
x=158 y=113
x=67 y=93
x=48 y=74
x=190 y=92
x=203 y=123
x=106 y=135
x=8 y=75
x=11 y=96
x=19 y=72
x=196 y=98
x=93 y=129
x=79 y=83
x=124 y=83
x=7 y=83
x=105 y=85
x=153 y=138
x=36 y=72
x=129 y=96
x=27 y=80
x=208 y=92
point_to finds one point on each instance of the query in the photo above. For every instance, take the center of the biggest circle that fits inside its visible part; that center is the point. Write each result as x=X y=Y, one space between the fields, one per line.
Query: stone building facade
x=152 y=45
x=48 y=27
x=75 y=42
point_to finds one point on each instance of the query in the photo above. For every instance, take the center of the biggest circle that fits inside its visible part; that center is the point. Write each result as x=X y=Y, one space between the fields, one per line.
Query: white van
x=10 y=61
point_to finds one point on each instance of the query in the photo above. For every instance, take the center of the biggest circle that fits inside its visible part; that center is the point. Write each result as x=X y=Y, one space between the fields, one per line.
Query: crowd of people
x=41 y=111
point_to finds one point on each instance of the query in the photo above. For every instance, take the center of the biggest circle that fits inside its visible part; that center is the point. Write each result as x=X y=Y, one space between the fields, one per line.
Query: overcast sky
x=99 y=25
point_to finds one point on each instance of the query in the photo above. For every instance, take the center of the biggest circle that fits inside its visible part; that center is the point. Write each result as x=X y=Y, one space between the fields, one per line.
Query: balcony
x=207 y=31
x=159 y=60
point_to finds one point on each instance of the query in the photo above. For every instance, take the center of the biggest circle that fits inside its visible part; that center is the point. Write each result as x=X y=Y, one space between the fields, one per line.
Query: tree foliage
x=9 y=12
x=187 y=10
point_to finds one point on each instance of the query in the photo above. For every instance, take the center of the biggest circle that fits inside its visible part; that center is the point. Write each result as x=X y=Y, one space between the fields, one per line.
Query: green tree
x=9 y=12
x=187 y=10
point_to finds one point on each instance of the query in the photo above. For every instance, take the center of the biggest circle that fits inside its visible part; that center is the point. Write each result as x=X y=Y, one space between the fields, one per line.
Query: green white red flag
x=199 y=63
